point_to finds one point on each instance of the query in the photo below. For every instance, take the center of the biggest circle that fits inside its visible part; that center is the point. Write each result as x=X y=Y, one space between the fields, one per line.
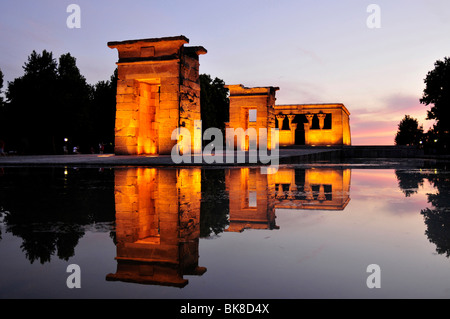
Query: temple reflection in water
x=255 y=196
x=157 y=225
x=158 y=213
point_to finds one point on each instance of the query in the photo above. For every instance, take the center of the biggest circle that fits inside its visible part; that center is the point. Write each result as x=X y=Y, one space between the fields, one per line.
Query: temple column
x=280 y=119
x=290 y=118
x=307 y=126
x=321 y=117
x=309 y=117
x=292 y=190
x=279 y=192
x=321 y=196
x=293 y=127
x=308 y=191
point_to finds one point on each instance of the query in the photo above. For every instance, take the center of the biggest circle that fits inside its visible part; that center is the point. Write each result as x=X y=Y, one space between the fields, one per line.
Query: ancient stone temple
x=299 y=124
x=158 y=91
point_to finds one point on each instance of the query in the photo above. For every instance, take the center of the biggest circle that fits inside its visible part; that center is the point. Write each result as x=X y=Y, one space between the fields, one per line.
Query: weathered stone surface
x=244 y=99
x=158 y=80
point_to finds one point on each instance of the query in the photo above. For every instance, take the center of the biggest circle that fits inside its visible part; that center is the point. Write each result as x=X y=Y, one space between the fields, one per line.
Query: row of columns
x=280 y=194
x=293 y=126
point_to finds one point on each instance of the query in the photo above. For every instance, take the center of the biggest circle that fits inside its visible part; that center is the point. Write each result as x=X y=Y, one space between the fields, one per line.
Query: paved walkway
x=285 y=156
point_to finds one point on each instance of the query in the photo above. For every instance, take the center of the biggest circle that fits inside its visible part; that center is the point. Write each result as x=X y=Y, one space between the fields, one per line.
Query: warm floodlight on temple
x=158 y=91
x=298 y=124
x=158 y=94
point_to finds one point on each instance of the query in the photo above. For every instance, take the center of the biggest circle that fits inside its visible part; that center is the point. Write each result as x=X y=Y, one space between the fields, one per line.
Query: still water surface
x=304 y=232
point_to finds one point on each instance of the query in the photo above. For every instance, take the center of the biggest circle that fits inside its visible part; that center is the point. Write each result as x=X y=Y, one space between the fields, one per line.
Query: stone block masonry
x=158 y=91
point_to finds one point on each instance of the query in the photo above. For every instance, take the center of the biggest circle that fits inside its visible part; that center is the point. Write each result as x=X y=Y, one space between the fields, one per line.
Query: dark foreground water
x=326 y=231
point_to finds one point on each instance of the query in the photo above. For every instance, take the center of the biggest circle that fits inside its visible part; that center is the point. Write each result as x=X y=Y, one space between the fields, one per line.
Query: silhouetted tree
x=214 y=208
x=33 y=103
x=53 y=101
x=2 y=113
x=437 y=94
x=73 y=119
x=409 y=132
x=214 y=102
x=1 y=87
x=104 y=111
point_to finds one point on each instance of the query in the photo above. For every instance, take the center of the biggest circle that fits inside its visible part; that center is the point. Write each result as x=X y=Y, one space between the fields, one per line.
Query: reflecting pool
x=307 y=231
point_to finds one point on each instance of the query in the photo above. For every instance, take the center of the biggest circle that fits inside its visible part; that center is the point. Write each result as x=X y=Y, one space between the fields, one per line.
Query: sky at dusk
x=314 y=51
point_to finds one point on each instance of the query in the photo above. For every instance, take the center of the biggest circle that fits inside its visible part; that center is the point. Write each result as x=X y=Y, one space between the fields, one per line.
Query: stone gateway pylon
x=158 y=91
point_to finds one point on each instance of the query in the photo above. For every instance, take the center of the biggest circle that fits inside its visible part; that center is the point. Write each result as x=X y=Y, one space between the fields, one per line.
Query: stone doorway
x=149 y=93
x=300 y=130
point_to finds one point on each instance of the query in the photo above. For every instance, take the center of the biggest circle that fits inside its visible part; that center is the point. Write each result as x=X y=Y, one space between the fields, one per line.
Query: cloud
x=311 y=54
x=299 y=92
x=378 y=126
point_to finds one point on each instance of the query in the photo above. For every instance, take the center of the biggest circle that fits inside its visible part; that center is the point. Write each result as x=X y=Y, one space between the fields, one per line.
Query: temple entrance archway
x=149 y=92
x=300 y=130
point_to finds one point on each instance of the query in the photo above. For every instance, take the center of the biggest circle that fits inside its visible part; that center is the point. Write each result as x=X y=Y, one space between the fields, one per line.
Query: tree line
x=51 y=108
x=436 y=94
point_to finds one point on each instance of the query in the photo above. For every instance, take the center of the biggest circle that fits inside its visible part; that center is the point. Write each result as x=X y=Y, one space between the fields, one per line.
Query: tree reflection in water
x=214 y=206
x=409 y=181
x=49 y=208
x=436 y=218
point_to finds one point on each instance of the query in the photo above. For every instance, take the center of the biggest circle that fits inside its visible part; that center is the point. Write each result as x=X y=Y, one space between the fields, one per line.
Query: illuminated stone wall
x=158 y=91
x=244 y=101
x=292 y=129
x=315 y=135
